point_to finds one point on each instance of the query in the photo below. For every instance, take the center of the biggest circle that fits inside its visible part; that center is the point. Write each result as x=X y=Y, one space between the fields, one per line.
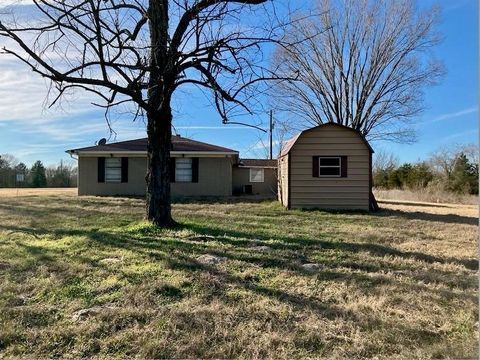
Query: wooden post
x=271 y=134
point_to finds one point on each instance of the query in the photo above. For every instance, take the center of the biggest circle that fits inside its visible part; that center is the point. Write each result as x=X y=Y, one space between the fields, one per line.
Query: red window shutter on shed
x=344 y=166
x=315 y=172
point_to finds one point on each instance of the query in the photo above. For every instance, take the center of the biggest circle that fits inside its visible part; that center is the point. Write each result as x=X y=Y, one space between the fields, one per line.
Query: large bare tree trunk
x=158 y=209
x=159 y=128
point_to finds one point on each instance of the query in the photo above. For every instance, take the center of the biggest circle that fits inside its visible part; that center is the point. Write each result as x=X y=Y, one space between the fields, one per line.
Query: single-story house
x=198 y=169
x=328 y=166
x=255 y=176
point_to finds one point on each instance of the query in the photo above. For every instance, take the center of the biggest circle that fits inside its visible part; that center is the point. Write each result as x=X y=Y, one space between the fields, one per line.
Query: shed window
x=183 y=170
x=257 y=175
x=329 y=166
x=113 y=170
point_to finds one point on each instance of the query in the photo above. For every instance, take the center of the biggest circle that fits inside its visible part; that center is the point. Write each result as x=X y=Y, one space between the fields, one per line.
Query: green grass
x=393 y=284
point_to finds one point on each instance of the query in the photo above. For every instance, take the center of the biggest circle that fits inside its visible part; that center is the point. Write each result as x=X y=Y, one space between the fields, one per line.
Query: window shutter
x=101 y=170
x=344 y=165
x=172 y=170
x=124 y=169
x=195 y=170
x=315 y=166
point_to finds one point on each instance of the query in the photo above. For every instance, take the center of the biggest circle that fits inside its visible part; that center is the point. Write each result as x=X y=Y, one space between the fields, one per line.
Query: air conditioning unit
x=248 y=189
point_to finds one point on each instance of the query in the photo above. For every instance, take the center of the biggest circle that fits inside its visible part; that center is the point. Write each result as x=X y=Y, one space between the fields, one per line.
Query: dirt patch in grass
x=400 y=283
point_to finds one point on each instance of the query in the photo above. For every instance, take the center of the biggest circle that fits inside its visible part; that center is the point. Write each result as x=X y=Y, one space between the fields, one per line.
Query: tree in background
x=7 y=170
x=448 y=169
x=21 y=169
x=384 y=163
x=140 y=52
x=37 y=175
x=364 y=65
x=63 y=175
x=464 y=176
x=421 y=175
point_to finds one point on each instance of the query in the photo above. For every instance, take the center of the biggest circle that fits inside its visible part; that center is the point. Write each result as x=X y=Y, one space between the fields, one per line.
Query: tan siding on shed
x=351 y=192
x=283 y=180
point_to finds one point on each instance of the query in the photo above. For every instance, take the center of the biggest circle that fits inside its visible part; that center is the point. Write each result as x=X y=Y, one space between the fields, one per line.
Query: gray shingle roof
x=258 y=163
x=178 y=144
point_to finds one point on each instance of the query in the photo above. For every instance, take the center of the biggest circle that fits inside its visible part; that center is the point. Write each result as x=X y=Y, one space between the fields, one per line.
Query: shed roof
x=289 y=144
x=179 y=143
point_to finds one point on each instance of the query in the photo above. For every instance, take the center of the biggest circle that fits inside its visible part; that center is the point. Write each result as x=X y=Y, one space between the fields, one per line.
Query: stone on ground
x=262 y=248
x=210 y=259
x=84 y=313
x=110 y=260
x=312 y=267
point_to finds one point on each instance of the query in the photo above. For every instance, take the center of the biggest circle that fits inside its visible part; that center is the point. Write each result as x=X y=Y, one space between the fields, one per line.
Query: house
x=198 y=170
x=255 y=176
x=328 y=166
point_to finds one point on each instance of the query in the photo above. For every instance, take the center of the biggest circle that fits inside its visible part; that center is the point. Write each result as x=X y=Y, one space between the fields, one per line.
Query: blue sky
x=30 y=131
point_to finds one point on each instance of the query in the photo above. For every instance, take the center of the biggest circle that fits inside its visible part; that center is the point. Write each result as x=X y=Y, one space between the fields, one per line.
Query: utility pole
x=271 y=134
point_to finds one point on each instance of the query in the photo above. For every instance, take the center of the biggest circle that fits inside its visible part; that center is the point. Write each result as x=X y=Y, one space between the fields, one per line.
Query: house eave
x=144 y=153
x=256 y=167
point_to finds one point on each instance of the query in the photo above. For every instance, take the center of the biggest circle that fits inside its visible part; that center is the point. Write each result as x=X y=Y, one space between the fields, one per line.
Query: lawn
x=84 y=277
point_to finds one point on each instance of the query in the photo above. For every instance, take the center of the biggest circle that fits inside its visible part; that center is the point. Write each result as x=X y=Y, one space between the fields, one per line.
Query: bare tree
x=443 y=160
x=364 y=65
x=385 y=160
x=140 y=52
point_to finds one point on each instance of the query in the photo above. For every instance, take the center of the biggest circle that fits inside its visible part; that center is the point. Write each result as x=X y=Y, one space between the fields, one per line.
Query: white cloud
x=4 y=3
x=24 y=100
x=462 y=134
x=453 y=115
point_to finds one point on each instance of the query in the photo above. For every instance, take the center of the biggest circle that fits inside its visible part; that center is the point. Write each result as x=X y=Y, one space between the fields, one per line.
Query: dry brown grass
x=21 y=192
x=426 y=195
x=401 y=283
x=471 y=211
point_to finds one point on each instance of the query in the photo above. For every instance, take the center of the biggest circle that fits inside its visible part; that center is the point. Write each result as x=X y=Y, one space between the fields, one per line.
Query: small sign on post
x=19 y=178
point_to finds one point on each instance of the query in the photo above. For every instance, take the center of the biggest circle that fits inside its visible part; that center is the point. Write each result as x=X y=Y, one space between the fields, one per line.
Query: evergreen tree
x=464 y=176
x=420 y=176
x=37 y=173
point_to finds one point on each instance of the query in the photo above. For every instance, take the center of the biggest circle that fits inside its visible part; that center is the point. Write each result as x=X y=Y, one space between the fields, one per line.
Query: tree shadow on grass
x=374 y=249
x=425 y=216
x=408 y=215
x=413 y=203
x=180 y=254
x=240 y=238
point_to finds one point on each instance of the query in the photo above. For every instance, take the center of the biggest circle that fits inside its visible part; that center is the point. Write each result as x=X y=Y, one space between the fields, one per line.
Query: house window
x=256 y=175
x=183 y=170
x=329 y=166
x=113 y=170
